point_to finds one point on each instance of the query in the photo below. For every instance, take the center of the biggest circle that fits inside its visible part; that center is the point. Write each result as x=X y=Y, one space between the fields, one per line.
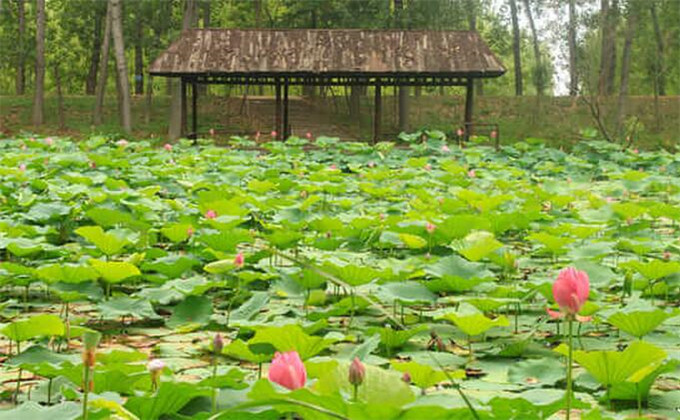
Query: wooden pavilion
x=326 y=57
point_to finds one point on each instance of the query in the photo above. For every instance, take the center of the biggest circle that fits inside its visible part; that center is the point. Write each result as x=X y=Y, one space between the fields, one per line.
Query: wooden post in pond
x=194 y=115
x=277 y=124
x=286 y=127
x=377 y=116
x=469 y=106
x=183 y=108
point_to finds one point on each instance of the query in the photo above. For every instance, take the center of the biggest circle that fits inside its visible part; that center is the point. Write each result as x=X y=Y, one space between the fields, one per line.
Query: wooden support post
x=286 y=124
x=194 y=115
x=469 y=106
x=183 y=107
x=277 y=126
x=377 y=115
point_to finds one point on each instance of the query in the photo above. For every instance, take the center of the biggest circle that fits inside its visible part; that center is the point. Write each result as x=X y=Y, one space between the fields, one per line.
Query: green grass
x=558 y=120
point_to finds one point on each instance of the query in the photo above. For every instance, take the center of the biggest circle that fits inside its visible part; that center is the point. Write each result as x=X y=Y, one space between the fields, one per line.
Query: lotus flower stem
x=639 y=398
x=356 y=392
x=214 y=390
x=570 y=359
x=49 y=391
x=16 y=391
x=86 y=390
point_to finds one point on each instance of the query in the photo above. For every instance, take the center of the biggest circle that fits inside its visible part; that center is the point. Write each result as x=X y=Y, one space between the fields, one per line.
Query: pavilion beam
x=469 y=107
x=286 y=124
x=377 y=115
x=183 y=107
x=194 y=114
x=277 y=123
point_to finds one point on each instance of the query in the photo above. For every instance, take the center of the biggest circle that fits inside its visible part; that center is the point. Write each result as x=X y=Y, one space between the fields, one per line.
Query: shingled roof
x=328 y=52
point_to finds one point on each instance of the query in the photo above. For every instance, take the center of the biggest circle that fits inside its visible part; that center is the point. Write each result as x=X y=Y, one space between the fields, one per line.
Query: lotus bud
x=430 y=228
x=218 y=343
x=168 y=147
x=357 y=372
x=406 y=377
x=239 y=260
x=210 y=214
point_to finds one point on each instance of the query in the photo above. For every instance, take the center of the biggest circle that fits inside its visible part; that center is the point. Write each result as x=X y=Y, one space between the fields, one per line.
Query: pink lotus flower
x=472 y=173
x=571 y=290
x=257 y=135
x=212 y=132
x=332 y=166
x=460 y=132
x=218 y=343
x=371 y=164
x=445 y=149
x=429 y=227
x=23 y=147
x=190 y=231
x=560 y=315
x=155 y=365
x=168 y=147
x=93 y=165
x=494 y=134
x=381 y=216
x=239 y=260
x=288 y=370
x=210 y=214
x=666 y=255
x=122 y=143
x=428 y=167
x=406 y=377
x=22 y=167
x=274 y=133
x=308 y=135
x=636 y=151
x=49 y=141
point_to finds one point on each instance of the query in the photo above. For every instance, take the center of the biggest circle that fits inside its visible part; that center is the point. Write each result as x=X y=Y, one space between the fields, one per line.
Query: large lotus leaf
x=612 y=367
x=43 y=362
x=250 y=308
x=641 y=382
x=226 y=241
x=477 y=245
x=24 y=247
x=114 y=271
x=455 y=267
x=639 y=319
x=654 y=269
x=44 y=212
x=536 y=372
x=127 y=307
x=194 y=310
x=405 y=292
x=291 y=337
x=66 y=273
x=424 y=376
x=392 y=339
x=239 y=350
x=172 y=265
x=106 y=217
x=34 y=411
x=35 y=326
x=177 y=232
x=107 y=242
x=472 y=322
x=458 y=226
x=353 y=275
x=168 y=400
x=551 y=243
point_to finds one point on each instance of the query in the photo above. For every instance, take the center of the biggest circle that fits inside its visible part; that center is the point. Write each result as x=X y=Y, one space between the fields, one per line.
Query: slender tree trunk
x=121 y=64
x=659 y=67
x=139 y=52
x=39 y=97
x=21 y=62
x=516 y=51
x=625 y=65
x=604 y=53
x=404 y=100
x=60 y=96
x=538 y=72
x=612 y=21
x=100 y=90
x=175 y=126
x=91 y=80
x=571 y=37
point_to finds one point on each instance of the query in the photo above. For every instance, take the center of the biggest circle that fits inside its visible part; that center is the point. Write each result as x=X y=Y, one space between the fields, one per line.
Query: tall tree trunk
x=538 y=72
x=571 y=38
x=612 y=23
x=60 y=96
x=605 y=48
x=139 y=52
x=121 y=65
x=39 y=97
x=659 y=66
x=91 y=80
x=625 y=65
x=175 y=126
x=21 y=62
x=516 y=51
x=100 y=90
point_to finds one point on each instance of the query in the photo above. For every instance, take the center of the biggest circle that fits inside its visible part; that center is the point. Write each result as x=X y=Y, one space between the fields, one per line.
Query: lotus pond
x=144 y=282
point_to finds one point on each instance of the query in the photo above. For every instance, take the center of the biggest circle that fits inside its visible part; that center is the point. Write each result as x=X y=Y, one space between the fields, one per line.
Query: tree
x=659 y=71
x=103 y=69
x=538 y=71
x=571 y=39
x=516 y=43
x=21 y=56
x=121 y=65
x=91 y=80
x=39 y=94
x=631 y=25
x=175 y=126
x=139 y=52
x=608 y=17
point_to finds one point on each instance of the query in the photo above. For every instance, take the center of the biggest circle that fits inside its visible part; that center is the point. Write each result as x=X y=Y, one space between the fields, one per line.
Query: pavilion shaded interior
x=325 y=57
